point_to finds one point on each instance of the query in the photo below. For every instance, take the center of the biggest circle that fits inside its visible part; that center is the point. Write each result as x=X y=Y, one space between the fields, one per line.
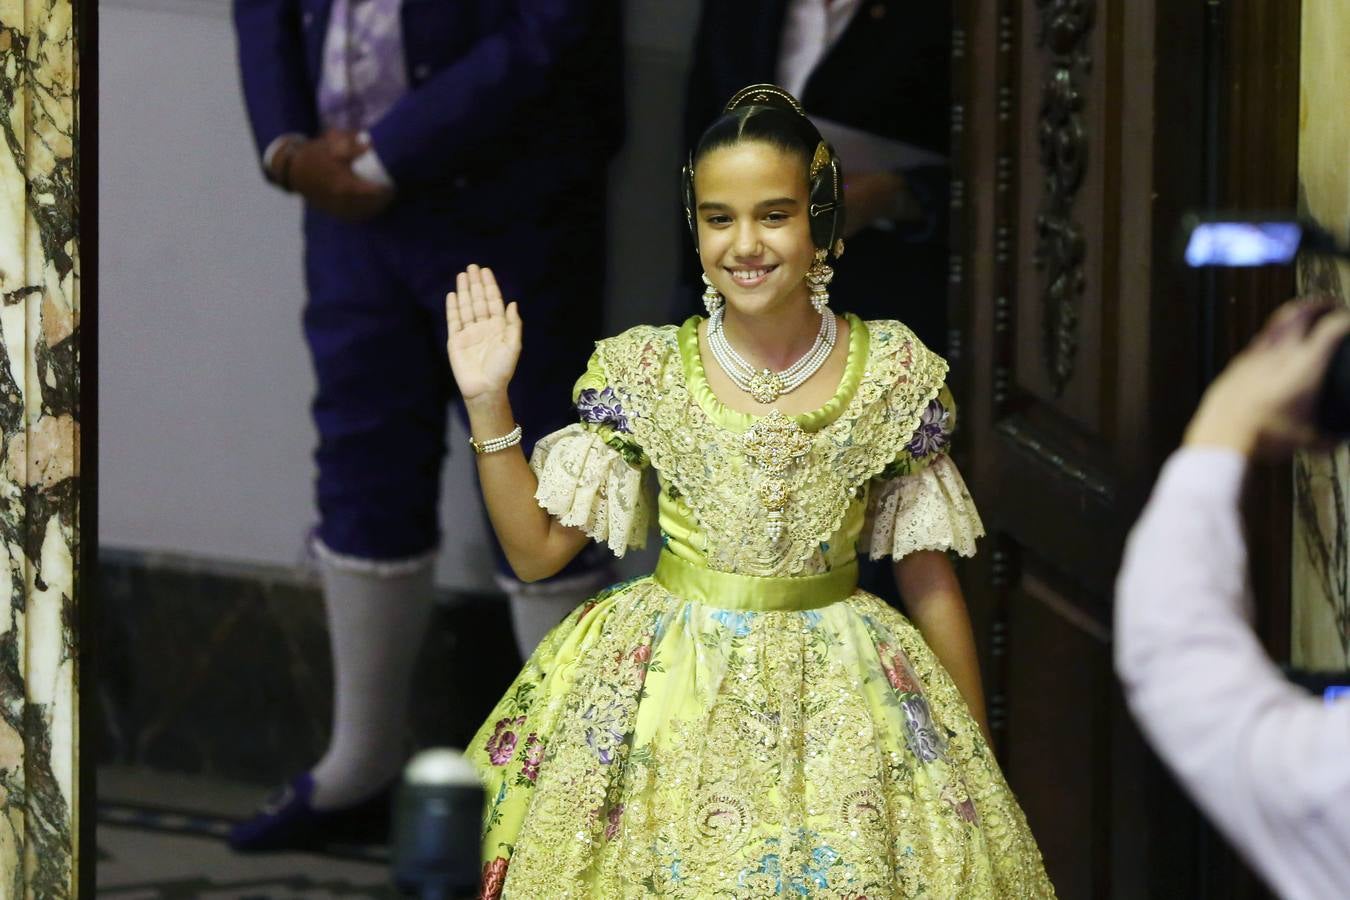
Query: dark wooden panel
x=1059 y=670
x=1063 y=111
x=1081 y=348
x=1058 y=498
x=1257 y=158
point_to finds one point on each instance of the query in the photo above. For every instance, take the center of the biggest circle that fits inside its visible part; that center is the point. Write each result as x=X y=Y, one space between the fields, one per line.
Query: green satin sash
x=754 y=593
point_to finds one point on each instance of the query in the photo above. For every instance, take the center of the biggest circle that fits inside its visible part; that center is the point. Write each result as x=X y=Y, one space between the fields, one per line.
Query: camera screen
x=1335 y=692
x=1243 y=243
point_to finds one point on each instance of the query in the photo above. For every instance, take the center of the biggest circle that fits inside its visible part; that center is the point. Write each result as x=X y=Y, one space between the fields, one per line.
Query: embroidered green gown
x=744 y=722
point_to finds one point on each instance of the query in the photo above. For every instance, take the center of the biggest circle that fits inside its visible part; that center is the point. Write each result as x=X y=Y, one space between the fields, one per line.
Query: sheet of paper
x=862 y=151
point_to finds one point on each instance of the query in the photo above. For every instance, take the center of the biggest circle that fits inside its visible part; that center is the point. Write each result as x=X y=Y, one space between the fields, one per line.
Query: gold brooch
x=773 y=444
x=766 y=386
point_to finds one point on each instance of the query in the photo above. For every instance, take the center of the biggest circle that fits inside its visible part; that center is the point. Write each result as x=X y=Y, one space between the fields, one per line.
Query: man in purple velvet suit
x=422 y=135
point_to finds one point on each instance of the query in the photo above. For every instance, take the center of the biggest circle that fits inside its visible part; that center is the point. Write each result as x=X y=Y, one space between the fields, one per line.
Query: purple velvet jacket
x=511 y=95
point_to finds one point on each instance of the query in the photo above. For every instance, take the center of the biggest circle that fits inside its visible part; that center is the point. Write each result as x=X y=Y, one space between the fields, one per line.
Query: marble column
x=39 y=447
x=1321 y=558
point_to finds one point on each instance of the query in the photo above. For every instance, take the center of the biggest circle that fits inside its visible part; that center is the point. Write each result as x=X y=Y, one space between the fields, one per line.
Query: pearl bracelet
x=498 y=443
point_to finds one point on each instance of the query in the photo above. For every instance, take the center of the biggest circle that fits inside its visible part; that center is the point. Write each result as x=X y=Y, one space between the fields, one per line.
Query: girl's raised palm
x=484 y=341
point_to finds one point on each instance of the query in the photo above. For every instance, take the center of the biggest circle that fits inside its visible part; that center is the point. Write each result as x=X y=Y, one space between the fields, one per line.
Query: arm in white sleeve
x=1267 y=762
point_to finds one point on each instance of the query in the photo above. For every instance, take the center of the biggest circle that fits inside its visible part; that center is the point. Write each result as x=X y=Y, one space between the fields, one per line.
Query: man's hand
x=321 y=171
x=1263 y=404
x=869 y=196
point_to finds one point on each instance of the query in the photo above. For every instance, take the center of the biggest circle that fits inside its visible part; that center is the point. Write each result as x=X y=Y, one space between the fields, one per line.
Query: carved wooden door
x=1082 y=129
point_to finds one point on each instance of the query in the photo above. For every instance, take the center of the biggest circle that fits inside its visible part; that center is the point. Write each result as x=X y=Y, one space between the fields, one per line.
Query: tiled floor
x=161 y=837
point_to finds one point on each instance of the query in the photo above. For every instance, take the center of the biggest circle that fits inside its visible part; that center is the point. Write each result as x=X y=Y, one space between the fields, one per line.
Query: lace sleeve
x=591 y=474
x=928 y=510
x=589 y=484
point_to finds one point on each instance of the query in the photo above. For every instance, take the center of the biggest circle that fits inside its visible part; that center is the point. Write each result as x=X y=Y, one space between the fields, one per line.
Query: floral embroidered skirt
x=658 y=747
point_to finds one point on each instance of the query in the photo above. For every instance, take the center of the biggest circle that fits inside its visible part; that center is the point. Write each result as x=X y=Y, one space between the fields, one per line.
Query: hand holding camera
x=1290 y=389
x=1265 y=404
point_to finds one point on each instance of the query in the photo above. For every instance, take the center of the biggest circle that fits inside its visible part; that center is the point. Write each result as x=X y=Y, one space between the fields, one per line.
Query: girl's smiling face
x=754 y=233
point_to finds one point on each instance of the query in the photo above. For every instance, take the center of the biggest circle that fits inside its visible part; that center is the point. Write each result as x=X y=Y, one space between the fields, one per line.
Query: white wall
x=204 y=381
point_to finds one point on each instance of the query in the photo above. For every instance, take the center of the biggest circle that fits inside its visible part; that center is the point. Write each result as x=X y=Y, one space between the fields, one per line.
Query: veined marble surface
x=1321 y=558
x=39 y=441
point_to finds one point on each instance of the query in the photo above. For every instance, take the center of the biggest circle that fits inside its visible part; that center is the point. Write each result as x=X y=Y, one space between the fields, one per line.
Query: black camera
x=436 y=826
x=1240 y=241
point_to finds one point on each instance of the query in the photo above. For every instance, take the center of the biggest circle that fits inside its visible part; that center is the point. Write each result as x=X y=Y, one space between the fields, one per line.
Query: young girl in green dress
x=743 y=722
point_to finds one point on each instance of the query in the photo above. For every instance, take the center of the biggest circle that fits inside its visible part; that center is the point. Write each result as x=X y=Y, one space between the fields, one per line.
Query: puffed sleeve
x=591 y=474
x=920 y=501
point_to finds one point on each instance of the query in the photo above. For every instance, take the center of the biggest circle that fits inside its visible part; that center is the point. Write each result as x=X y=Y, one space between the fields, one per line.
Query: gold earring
x=818 y=278
x=712 y=300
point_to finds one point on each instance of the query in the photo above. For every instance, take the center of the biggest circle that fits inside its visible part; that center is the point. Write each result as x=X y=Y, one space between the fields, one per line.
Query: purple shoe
x=288 y=821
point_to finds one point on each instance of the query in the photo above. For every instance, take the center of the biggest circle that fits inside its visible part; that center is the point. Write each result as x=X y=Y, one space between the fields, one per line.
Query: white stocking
x=376 y=623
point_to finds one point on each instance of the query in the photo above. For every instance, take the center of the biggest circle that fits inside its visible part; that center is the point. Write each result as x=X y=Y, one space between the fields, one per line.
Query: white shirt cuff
x=368 y=166
x=276 y=145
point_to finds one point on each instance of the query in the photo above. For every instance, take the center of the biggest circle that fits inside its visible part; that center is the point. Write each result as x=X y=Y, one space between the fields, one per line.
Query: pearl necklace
x=766 y=385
